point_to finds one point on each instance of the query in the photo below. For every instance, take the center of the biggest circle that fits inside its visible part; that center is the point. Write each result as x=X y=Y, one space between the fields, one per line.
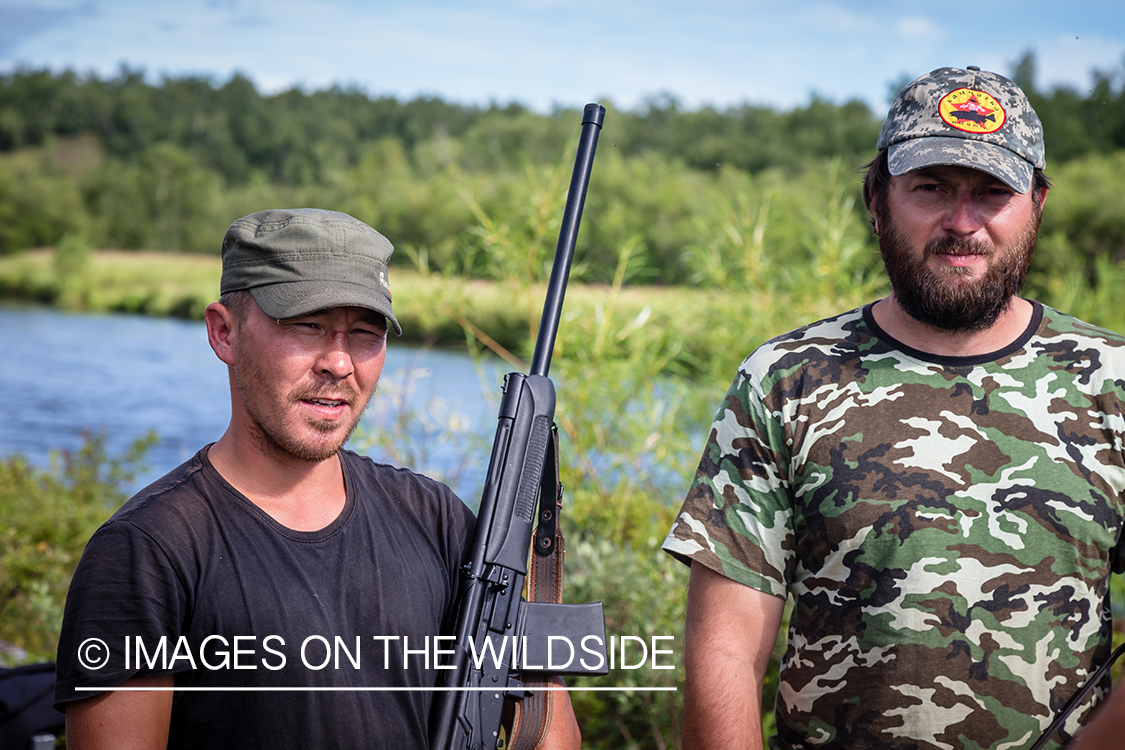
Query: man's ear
x=874 y=214
x=1043 y=197
x=221 y=329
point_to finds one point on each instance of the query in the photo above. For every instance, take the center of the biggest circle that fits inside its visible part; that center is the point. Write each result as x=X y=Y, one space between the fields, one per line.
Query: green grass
x=713 y=328
x=160 y=284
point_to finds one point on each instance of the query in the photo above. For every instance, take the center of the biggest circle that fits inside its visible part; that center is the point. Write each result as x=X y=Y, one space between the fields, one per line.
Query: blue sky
x=544 y=53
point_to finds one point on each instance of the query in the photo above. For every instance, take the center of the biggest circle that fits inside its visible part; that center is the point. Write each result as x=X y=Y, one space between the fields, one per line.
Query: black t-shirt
x=191 y=578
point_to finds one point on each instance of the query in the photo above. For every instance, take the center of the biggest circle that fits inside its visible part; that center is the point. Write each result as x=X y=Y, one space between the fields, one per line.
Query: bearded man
x=276 y=591
x=934 y=478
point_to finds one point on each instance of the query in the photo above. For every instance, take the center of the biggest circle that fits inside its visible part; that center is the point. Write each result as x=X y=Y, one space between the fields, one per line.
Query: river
x=63 y=374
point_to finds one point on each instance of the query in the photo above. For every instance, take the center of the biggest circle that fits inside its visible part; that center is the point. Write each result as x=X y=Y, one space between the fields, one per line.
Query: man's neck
x=300 y=495
x=926 y=338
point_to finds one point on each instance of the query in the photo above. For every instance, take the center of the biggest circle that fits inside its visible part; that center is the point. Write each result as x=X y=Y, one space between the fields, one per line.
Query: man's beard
x=944 y=298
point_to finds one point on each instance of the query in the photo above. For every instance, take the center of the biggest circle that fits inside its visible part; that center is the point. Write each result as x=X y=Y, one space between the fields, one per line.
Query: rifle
x=495 y=627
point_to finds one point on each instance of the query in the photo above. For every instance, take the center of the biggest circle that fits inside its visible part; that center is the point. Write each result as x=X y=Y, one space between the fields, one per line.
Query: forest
x=706 y=232
x=129 y=164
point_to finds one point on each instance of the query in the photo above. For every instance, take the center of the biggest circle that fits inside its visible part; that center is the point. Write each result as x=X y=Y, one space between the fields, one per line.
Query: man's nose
x=963 y=216
x=336 y=360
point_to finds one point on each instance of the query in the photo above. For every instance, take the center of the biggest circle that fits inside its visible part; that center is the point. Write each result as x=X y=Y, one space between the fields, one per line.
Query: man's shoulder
x=1060 y=325
x=839 y=326
x=403 y=502
x=826 y=338
x=165 y=498
x=403 y=487
x=366 y=468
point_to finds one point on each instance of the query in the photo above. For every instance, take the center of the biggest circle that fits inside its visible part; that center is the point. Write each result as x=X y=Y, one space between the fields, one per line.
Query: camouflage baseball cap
x=301 y=260
x=967 y=118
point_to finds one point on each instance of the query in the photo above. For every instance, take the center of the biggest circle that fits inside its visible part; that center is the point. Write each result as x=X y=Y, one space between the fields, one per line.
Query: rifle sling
x=544 y=584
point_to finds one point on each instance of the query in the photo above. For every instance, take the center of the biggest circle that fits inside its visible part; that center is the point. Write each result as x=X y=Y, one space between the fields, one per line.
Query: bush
x=49 y=515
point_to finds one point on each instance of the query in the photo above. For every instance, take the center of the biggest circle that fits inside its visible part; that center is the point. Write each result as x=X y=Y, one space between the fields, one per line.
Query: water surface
x=63 y=374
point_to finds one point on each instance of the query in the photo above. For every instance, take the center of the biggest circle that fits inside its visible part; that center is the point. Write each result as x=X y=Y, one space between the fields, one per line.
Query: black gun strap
x=544 y=584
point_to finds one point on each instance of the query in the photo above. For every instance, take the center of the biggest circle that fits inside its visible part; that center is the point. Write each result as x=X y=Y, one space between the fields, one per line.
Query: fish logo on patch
x=971 y=111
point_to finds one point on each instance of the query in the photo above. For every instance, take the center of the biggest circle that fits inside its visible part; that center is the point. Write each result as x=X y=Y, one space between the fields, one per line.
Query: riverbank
x=431 y=309
x=697 y=330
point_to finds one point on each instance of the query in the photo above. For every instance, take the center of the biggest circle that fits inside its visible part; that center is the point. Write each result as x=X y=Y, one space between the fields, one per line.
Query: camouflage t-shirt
x=946 y=527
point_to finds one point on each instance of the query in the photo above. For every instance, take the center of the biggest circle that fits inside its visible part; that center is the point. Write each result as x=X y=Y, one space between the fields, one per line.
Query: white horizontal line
x=368 y=689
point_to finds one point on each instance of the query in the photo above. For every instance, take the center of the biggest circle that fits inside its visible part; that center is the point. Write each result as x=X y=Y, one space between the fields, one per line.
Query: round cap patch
x=972 y=111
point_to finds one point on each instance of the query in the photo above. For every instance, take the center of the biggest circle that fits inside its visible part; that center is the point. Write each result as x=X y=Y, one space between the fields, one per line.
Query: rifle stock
x=491 y=612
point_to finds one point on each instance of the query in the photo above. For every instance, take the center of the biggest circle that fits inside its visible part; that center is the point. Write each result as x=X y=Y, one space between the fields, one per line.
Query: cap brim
x=933 y=151
x=293 y=299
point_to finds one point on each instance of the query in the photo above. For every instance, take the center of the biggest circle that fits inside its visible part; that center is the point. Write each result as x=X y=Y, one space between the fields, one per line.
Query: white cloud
x=917 y=27
x=1069 y=59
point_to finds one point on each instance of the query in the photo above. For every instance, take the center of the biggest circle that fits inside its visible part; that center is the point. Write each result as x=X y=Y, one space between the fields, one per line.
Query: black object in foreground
x=499 y=637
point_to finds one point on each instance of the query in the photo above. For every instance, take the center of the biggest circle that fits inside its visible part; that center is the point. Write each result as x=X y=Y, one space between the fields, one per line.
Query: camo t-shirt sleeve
x=737 y=518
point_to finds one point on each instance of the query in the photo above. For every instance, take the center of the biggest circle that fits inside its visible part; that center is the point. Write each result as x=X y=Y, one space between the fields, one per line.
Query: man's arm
x=1107 y=726
x=730 y=632
x=563 y=733
x=118 y=720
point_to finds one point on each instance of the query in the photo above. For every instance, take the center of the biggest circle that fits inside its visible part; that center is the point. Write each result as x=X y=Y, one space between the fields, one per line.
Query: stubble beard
x=272 y=423
x=945 y=299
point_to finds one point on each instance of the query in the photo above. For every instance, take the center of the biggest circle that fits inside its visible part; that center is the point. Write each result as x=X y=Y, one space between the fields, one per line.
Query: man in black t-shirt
x=268 y=592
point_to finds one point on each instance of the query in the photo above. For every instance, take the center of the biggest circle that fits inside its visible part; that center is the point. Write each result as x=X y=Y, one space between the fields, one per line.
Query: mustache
x=959 y=246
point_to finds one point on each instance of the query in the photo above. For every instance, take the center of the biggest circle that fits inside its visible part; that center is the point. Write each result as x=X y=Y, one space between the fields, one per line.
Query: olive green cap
x=296 y=261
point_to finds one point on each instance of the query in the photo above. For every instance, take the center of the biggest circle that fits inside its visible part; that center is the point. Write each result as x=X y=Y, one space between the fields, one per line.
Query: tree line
x=128 y=163
x=294 y=136
x=297 y=137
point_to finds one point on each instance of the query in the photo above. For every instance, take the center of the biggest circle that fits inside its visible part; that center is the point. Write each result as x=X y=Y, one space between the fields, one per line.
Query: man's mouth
x=322 y=407
x=959 y=260
x=961 y=254
x=975 y=249
x=329 y=402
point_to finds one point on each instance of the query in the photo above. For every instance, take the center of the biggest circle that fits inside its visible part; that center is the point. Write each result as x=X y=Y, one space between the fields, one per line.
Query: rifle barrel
x=592 y=118
x=490 y=597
